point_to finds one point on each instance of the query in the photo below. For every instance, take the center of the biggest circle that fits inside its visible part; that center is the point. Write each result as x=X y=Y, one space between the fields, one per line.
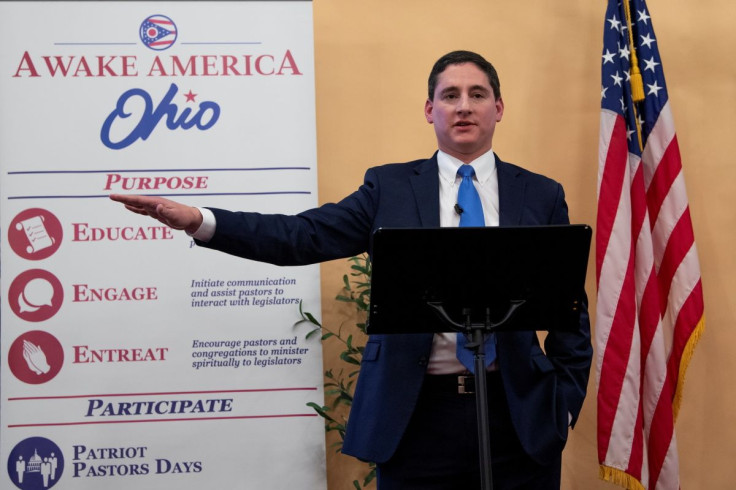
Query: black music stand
x=478 y=281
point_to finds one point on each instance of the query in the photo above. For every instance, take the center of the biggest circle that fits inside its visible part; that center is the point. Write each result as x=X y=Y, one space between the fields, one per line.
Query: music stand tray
x=477 y=268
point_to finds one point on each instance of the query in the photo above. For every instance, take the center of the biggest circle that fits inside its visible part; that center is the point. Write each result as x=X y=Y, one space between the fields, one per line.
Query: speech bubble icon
x=25 y=307
x=38 y=292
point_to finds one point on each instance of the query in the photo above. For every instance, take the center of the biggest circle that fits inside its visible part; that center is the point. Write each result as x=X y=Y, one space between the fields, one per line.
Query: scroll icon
x=36 y=233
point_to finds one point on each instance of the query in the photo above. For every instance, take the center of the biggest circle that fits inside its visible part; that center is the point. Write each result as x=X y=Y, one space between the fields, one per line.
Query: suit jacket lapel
x=510 y=194
x=426 y=187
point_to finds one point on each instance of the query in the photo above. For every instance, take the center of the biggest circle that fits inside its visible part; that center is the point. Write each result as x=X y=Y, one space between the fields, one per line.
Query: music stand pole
x=476 y=332
x=481 y=397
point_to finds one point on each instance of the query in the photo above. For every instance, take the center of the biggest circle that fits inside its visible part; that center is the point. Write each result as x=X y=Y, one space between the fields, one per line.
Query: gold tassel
x=637 y=83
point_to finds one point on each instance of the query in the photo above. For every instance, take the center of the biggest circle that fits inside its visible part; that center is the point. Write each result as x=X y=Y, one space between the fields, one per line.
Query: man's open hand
x=171 y=213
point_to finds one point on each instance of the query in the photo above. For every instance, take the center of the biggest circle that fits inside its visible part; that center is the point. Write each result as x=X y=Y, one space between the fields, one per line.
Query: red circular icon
x=35 y=234
x=36 y=357
x=35 y=295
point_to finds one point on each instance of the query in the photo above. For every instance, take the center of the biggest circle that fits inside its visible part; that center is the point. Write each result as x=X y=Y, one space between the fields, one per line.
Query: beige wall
x=372 y=61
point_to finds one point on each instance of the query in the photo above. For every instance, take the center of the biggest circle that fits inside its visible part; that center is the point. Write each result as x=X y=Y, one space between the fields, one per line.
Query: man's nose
x=463 y=104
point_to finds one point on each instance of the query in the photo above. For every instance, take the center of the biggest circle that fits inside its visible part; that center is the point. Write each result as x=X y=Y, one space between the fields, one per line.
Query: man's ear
x=428 y=106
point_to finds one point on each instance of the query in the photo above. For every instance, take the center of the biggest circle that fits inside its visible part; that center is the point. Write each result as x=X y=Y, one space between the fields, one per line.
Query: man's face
x=464 y=111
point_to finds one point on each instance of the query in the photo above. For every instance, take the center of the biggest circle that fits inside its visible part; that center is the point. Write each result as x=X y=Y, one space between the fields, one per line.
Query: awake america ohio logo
x=141 y=109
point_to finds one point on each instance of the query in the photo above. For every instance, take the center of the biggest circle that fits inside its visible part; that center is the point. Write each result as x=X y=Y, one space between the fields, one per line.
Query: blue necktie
x=471 y=214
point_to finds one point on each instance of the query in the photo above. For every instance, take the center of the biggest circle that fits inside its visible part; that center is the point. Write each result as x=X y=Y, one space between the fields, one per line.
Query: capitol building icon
x=45 y=467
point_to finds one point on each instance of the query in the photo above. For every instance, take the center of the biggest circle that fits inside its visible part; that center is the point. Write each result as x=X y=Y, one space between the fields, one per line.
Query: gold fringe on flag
x=619 y=477
x=687 y=354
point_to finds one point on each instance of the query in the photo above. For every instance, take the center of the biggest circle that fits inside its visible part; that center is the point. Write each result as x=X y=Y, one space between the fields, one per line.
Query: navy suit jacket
x=542 y=387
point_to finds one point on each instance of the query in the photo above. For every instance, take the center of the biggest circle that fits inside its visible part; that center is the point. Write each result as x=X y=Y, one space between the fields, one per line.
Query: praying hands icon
x=35 y=358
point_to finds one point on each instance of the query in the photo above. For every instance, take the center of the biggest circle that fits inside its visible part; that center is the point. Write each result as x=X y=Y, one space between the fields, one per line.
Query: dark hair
x=457 y=58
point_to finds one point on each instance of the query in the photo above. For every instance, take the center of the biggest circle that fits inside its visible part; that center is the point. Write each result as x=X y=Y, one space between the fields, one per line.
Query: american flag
x=649 y=312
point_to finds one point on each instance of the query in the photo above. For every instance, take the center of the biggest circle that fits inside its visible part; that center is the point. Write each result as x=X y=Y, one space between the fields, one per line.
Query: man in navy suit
x=408 y=414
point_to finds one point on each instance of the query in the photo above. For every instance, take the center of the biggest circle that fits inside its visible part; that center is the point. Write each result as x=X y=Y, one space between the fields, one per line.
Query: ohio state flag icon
x=158 y=32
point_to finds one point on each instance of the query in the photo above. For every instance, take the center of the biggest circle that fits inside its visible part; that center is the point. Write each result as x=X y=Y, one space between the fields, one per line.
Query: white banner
x=131 y=357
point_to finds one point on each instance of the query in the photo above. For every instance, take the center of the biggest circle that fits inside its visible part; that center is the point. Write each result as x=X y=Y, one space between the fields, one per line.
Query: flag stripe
x=611 y=183
x=636 y=459
x=663 y=133
x=667 y=171
x=687 y=301
x=691 y=313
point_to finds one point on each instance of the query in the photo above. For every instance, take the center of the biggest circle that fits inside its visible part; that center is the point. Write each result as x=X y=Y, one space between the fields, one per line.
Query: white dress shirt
x=443 y=359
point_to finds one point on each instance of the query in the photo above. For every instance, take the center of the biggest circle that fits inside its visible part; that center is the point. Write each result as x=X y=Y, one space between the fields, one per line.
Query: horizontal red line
x=57 y=424
x=61 y=397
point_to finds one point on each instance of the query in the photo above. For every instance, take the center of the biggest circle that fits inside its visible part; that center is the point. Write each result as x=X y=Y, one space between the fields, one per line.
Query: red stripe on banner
x=146 y=421
x=160 y=393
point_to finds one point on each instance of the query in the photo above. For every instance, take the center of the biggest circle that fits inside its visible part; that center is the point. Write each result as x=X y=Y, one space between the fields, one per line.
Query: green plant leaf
x=311 y=318
x=339 y=386
x=345 y=356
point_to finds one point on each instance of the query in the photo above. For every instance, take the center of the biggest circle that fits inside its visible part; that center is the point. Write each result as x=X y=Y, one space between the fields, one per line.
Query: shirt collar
x=484 y=166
